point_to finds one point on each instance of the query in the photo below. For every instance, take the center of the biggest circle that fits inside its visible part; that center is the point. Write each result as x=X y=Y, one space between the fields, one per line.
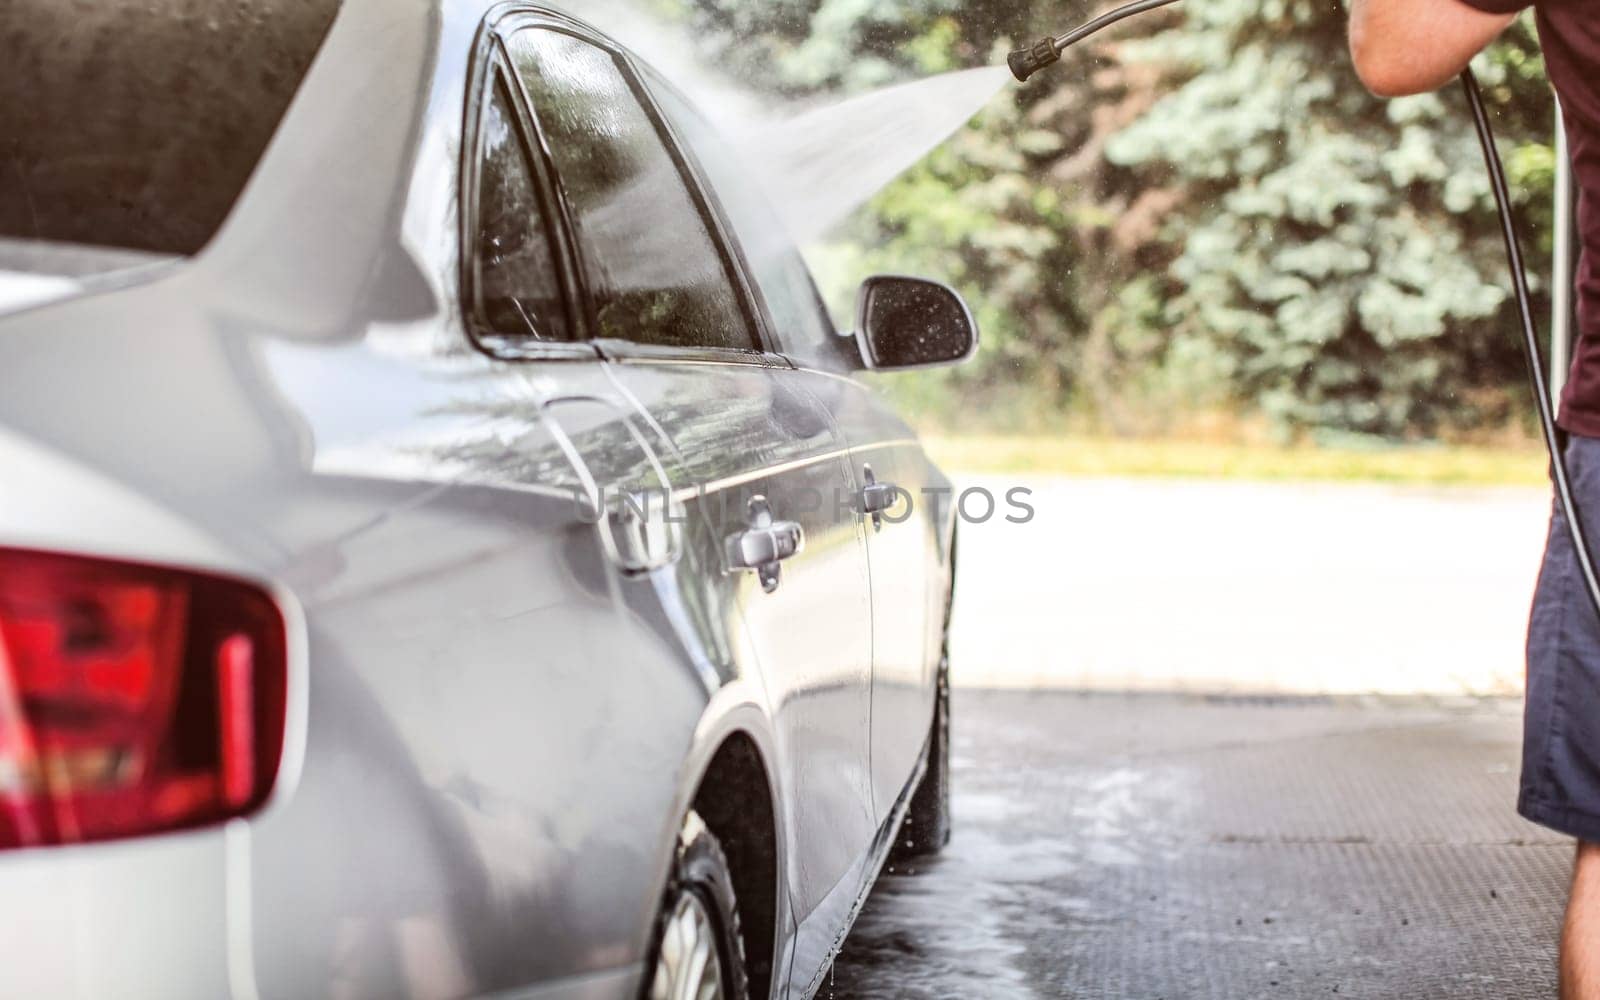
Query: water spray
x=1046 y=51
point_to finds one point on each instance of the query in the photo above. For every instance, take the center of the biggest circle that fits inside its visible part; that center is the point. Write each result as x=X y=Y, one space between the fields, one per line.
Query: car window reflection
x=519 y=293
x=654 y=271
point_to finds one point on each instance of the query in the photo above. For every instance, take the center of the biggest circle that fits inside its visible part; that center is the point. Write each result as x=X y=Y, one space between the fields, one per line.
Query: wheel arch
x=731 y=780
x=735 y=800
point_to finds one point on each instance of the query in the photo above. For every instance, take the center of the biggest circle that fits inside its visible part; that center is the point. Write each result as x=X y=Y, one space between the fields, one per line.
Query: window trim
x=489 y=68
x=507 y=19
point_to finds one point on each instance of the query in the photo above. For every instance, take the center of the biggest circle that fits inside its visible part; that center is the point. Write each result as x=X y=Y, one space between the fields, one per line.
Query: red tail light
x=133 y=699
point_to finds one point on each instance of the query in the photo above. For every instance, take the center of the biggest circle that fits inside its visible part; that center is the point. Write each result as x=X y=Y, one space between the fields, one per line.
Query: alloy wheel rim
x=689 y=966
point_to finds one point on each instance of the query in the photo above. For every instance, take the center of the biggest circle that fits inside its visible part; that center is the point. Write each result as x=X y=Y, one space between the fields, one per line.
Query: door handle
x=764 y=545
x=876 y=497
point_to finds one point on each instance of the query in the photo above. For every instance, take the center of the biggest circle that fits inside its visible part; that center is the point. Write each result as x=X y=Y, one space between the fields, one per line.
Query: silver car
x=445 y=547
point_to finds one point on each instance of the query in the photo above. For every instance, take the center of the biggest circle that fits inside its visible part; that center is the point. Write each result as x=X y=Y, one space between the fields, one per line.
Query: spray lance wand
x=1046 y=51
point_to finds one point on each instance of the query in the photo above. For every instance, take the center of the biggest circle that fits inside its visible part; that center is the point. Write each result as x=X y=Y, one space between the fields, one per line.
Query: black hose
x=1025 y=62
x=1106 y=20
x=1554 y=439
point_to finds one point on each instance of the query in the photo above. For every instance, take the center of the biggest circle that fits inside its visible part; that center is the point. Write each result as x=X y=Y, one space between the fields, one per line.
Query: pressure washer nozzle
x=1026 y=62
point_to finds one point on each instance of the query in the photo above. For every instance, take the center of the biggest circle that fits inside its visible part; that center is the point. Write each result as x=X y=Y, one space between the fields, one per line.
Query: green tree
x=1336 y=252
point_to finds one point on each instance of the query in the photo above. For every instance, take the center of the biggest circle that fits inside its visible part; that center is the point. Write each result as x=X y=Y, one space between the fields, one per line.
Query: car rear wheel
x=697 y=951
x=926 y=828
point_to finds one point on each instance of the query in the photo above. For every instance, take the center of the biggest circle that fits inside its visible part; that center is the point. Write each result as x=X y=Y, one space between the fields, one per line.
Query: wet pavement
x=1147 y=846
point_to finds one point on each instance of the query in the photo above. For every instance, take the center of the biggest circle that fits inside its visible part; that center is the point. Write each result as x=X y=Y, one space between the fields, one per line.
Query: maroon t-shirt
x=1569 y=31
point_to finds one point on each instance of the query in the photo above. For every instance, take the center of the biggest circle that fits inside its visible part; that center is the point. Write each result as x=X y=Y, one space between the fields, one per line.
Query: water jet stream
x=822 y=164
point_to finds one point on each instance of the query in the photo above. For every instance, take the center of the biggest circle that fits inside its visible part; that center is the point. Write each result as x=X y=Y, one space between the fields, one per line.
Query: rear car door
x=760 y=468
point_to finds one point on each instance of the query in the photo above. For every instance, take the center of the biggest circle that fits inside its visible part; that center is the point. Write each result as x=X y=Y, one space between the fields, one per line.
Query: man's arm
x=1412 y=46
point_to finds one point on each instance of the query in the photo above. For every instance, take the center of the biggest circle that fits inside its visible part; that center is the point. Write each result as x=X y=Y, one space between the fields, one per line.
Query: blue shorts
x=1561 y=731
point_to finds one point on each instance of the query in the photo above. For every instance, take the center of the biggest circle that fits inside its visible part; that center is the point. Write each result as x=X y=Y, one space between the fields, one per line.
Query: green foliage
x=803 y=47
x=1208 y=212
x=1337 y=249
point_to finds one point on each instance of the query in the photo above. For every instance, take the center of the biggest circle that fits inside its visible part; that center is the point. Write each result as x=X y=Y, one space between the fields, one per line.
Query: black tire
x=926 y=828
x=700 y=878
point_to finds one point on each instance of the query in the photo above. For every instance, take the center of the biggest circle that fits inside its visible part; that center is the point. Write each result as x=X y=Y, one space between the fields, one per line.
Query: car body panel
x=83 y=924
x=498 y=730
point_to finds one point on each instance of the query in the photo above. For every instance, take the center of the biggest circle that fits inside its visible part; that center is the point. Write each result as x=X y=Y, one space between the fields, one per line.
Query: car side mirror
x=906 y=323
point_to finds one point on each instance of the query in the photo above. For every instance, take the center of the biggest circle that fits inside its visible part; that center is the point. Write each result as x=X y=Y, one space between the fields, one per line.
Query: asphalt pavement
x=1149 y=846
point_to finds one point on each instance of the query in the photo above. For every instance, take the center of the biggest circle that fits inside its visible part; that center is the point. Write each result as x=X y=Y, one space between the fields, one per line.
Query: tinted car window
x=519 y=292
x=797 y=311
x=135 y=124
x=652 y=266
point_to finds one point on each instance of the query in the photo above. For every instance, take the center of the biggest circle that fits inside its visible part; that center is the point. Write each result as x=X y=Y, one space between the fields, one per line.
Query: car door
x=889 y=471
x=760 y=468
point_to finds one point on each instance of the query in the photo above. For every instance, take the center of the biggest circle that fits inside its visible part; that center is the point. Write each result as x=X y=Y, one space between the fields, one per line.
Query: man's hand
x=1411 y=46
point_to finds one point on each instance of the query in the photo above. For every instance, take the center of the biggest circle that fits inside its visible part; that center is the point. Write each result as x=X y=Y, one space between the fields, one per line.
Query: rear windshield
x=135 y=123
